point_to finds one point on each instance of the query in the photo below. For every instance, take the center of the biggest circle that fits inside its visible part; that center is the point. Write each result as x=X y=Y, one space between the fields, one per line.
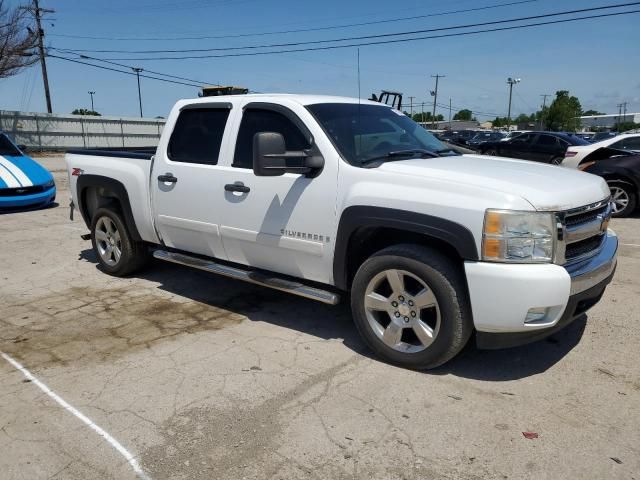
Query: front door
x=283 y=223
x=186 y=185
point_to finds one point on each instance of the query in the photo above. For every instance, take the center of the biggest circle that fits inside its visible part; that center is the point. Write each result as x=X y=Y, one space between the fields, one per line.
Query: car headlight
x=518 y=237
x=50 y=184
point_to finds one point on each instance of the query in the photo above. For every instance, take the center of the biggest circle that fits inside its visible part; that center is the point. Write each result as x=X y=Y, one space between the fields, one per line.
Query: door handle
x=236 y=187
x=167 y=178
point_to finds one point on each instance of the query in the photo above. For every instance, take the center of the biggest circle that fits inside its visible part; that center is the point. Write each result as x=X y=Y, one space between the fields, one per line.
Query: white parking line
x=630 y=244
x=60 y=401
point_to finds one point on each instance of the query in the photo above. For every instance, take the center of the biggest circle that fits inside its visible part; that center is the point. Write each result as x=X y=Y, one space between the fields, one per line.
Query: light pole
x=511 y=82
x=138 y=70
x=92 y=94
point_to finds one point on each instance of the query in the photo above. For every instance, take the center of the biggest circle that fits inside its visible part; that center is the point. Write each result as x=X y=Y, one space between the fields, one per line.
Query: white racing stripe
x=82 y=417
x=16 y=172
x=8 y=179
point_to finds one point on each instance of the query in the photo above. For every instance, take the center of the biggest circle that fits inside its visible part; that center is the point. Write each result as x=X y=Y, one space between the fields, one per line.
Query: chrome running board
x=257 y=278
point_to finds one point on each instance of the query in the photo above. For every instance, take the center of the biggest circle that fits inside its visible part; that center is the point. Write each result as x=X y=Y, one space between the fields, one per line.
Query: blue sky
x=597 y=60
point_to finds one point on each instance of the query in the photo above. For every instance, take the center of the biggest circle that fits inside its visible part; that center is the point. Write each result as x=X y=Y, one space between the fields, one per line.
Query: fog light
x=537 y=314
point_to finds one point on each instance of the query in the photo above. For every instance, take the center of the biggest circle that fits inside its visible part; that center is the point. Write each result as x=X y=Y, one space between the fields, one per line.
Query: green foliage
x=426 y=117
x=624 y=126
x=85 y=111
x=594 y=113
x=564 y=113
x=464 y=114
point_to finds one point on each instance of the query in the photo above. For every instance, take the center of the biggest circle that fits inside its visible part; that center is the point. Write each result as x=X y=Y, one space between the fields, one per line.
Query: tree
x=593 y=113
x=17 y=41
x=625 y=126
x=464 y=114
x=564 y=113
x=85 y=111
x=426 y=117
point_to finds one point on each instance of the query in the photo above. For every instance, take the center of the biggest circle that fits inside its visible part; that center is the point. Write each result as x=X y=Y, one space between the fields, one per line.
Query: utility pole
x=92 y=94
x=511 y=82
x=138 y=70
x=411 y=106
x=620 y=105
x=434 y=94
x=449 y=113
x=37 y=12
x=624 y=112
x=544 y=105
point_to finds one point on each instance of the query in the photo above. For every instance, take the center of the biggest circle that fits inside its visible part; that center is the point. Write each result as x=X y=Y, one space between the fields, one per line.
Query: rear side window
x=256 y=120
x=631 y=143
x=548 y=141
x=197 y=136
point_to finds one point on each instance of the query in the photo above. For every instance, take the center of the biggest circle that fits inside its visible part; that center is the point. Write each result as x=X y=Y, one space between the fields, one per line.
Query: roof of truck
x=265 y=97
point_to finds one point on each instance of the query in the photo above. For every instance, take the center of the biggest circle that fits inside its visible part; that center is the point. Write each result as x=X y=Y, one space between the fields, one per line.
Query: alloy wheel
x=619 y=198
x=108 y=241
x=402 y=311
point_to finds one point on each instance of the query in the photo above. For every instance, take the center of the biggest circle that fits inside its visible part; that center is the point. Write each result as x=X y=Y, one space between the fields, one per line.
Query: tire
x=491 y=151
x=118 y=254
x=623 y=197
x=379 y=310
x=556 y=161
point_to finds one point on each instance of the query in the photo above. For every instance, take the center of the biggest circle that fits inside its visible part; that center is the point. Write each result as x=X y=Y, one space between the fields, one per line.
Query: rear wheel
x=118 y=254
x=491 y=151
x=410 y=305
x=556 y=160
x=623 y=198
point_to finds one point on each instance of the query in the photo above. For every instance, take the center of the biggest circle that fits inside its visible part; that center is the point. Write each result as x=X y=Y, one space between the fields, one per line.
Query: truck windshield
x=7 y=148
x=372 y=134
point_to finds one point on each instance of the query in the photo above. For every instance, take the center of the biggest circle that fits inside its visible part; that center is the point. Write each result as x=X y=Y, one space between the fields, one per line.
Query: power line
x=87 y=57
x=380 y=42
x=367 y=37
x=120 y=71
x=300 y=30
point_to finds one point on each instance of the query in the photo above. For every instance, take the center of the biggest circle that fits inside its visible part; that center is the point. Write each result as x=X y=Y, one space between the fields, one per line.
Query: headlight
x=518 y=237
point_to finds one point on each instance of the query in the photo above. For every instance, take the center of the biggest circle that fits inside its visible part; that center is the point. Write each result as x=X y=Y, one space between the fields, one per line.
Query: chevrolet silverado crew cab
x=326 y=197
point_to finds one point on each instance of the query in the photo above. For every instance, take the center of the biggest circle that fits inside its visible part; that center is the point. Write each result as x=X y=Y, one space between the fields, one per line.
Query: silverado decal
x=305 y=236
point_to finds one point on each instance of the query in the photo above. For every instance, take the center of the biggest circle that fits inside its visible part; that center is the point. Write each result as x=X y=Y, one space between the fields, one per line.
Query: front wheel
x=556 y=160
x=118 y=254
x=410 y=305
x=623 y=199
x=491 y=151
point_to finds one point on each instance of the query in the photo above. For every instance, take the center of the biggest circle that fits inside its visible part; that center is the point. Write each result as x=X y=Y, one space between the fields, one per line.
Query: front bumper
x=502 y=295
x=33 y=200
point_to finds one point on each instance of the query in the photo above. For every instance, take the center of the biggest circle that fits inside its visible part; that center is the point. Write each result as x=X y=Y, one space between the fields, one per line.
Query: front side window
x=197 y=136
x=362 y=133
x=256 y=120
x=7 y=148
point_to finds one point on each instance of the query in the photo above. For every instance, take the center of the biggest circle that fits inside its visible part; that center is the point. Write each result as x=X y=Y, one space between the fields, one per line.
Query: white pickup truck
x=319 y=196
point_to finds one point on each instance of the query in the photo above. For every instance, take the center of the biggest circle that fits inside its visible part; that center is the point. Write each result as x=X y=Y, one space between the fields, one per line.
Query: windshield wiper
x=401 y=153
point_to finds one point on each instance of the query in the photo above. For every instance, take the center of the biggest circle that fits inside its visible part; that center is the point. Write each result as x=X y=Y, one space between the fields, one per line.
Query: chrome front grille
x=581 y=231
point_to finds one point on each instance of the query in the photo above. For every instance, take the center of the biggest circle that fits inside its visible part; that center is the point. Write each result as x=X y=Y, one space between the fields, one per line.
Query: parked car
x=512 y=134
x=321 y=196
x=627 y=142
x=621 y=171
x=23 y=181
x=481 y=138
x=598 y=137
x=546 y=147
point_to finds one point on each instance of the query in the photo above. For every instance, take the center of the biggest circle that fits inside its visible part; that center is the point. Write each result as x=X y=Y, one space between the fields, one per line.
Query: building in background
x=591 y=122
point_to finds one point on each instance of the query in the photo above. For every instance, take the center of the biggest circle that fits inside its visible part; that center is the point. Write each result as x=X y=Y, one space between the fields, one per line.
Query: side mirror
x=271 y=158
x=22 y=148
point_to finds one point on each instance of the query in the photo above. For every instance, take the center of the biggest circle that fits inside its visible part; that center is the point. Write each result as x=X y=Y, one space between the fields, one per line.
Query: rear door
x=186 y=185
x=519 y=147
x=546 y=147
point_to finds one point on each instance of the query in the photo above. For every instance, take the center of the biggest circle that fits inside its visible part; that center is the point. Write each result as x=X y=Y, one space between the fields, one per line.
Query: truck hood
x=545 y=187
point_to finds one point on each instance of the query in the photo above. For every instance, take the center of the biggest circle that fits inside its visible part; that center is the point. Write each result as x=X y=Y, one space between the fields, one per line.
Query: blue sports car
x=23 y=182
